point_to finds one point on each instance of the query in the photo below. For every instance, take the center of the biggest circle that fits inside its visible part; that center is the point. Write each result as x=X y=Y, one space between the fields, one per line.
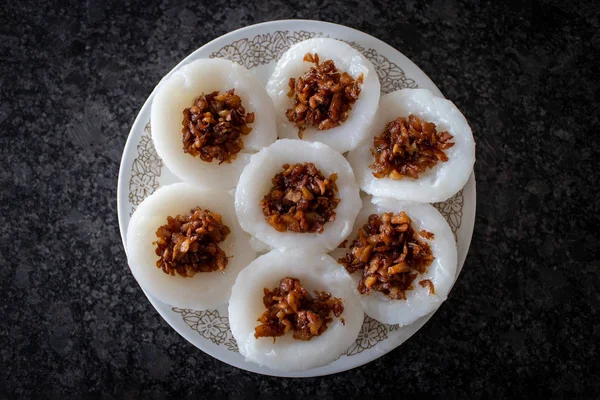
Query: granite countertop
x=523 y=316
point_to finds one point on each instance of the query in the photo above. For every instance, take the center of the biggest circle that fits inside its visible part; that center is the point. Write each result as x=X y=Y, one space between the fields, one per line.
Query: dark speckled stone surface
x=522 y=318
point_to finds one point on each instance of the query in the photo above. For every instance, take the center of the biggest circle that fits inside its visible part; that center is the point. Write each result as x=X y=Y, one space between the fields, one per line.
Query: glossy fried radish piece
x=256 y=182
x=316 y=273
x=352 y=130
x=435 y=184
x=441 y=273
x=204 y=289
x=180 y=90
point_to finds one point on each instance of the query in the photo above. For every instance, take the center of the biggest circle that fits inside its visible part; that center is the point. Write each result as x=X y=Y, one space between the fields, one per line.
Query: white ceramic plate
x=258 y=47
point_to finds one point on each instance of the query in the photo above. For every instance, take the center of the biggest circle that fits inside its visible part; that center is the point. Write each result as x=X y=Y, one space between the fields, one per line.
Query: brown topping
x=390 y=254
x=408 y=147
x=188 y=244
x=343 y=244
x=214 y=125
x=427 y=282
x=291 y=307
x=427 y=235
x=323 y=97
x=301 y=199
